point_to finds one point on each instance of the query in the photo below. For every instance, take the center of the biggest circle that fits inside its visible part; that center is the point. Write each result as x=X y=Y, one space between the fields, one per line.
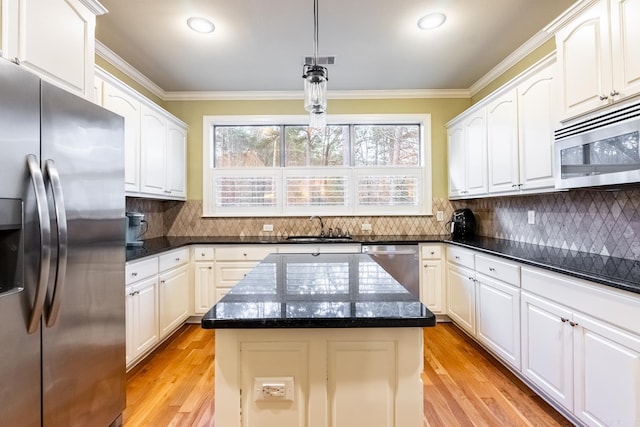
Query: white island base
x=341 y=377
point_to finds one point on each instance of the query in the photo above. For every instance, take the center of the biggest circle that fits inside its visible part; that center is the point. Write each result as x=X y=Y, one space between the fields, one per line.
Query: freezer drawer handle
x=45 y=242
x=51 y=172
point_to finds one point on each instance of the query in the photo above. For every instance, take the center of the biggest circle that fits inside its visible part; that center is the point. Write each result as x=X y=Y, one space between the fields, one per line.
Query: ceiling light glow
x=431 y=21
x=200 y=25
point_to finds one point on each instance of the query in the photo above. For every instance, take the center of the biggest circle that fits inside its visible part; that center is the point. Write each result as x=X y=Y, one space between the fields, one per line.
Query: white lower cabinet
x=141 y=318
x=547 y=348
x=589 y=365
x=174 y=299
x=157 y=303
x=498 y=318
x=461 y=297
x=606 y=373
x=432 y=280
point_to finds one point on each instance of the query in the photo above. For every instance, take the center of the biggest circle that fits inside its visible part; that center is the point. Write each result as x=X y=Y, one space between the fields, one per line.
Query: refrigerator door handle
x=51 y=172
x=45 y=242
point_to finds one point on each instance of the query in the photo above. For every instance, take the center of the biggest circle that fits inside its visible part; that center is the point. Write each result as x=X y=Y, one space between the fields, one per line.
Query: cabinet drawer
x=431 y=252
x=498 y=269
x=461 y=256
x=228 y=274
x=243 y=253
x=202 y=253
x=139 y=270
x=174 y=259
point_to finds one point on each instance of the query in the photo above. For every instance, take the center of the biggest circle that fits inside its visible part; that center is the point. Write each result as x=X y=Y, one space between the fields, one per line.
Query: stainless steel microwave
x=604 y=150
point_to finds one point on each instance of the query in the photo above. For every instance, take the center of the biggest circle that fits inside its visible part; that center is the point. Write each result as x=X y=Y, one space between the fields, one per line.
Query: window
x=277 y=166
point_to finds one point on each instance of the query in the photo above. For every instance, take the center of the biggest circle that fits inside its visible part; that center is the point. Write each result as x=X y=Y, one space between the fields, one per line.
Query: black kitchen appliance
x=463 y=224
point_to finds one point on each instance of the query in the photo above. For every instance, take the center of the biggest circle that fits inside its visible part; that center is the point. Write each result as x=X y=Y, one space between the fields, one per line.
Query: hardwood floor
x=463 y=385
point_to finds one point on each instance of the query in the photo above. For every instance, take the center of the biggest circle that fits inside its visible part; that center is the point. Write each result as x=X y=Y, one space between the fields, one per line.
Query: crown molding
x=516 y=56
x=95 y=7
x=128 y=69
x=568 y=15
x=298 y=95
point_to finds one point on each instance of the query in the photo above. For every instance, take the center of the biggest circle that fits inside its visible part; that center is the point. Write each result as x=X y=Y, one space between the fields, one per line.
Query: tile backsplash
x=603 y=222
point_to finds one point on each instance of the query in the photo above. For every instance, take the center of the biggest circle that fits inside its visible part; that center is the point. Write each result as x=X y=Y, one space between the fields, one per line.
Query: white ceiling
x=258 y=45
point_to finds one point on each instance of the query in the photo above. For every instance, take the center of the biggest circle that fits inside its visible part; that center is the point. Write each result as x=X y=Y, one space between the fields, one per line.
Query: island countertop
x=318 y=291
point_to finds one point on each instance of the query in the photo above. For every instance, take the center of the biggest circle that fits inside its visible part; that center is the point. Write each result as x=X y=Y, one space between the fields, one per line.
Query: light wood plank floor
x=463 y=385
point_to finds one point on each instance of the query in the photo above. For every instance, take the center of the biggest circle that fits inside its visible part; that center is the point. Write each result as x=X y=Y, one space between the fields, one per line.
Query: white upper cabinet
x=120 y=102
x=155 y=142
x=535 y=129
x=468 y=155
x=163 y=152
x=502 y=134
x=176 y=160
x=504 y=144
x=476 y=151
x=599 y=56
x=457 y=161
x=55 y=39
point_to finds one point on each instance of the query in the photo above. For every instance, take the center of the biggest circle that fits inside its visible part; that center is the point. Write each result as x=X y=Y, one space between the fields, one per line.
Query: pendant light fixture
x=315 y=82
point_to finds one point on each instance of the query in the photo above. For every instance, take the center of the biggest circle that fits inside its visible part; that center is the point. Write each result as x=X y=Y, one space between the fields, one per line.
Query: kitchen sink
x=319 y=239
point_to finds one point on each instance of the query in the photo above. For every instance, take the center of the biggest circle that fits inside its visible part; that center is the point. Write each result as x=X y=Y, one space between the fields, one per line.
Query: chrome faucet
x=321 y=224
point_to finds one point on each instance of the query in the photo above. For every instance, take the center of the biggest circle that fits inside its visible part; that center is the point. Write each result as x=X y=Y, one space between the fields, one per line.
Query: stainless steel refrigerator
x=62 y=243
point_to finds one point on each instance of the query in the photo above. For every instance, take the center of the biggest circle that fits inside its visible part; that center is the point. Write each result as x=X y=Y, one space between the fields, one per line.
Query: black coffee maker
x=463 y=224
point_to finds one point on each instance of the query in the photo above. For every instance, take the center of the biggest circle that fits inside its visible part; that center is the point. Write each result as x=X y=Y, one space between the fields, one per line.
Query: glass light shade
x=317 y=119
x=315 y=95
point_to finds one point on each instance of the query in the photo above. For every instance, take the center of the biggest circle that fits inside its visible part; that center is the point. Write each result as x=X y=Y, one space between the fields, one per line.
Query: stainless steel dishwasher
x=400 y=261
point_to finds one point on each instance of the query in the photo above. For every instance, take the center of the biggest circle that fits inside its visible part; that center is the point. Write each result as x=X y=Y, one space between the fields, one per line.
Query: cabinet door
x=431 y=284
x=547 y=347
x=502 y=141
x=153 y=144
x=176 y=185
x=130 y=328
x=204 y=287
x=584 y=61
x=174 y=299
x=461 y=298
x=54 y=39
x=536 y=124
x=625 y=33
x=498 y=323
x=476 y=152
x=457 y=162
x=607 y=373
x=121 y=103
x=144 y=316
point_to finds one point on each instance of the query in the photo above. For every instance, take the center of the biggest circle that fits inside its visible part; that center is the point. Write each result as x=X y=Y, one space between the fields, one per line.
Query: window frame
x=425 y=205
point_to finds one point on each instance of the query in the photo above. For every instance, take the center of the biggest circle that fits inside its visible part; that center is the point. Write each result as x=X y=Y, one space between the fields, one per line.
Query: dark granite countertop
x=610 y=271
x=163 y=244
x=318 y=291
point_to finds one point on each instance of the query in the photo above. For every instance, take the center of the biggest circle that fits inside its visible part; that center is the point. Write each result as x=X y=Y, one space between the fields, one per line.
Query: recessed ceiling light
x=200 y=25
x=431 y=21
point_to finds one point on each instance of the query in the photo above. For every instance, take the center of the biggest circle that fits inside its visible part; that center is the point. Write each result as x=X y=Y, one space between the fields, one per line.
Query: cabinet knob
x=573 y=324
x=244 y=254
x=457 y=257
x=134 y=274
x=177 y=259
x=167 y=191
x=603 y=97
x=563 y=320
x=209 y=267
x=131 y=294
x=491 y=269
x=163 y=281
x=614 y=93
x=201 y=253
x=432 y=252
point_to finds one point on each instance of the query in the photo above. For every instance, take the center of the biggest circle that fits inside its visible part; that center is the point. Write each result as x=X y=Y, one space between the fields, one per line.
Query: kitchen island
x=318 y=340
